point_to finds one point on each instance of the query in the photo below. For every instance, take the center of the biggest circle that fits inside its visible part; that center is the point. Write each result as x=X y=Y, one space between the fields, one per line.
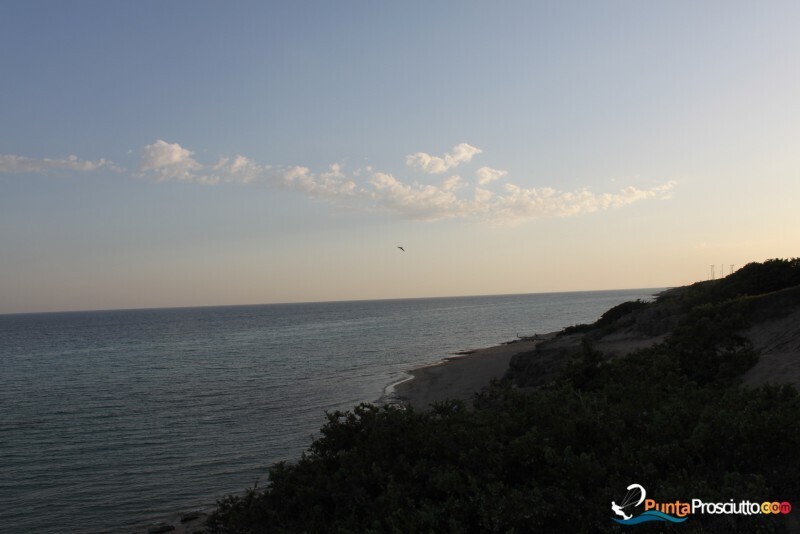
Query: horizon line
x=286 y=303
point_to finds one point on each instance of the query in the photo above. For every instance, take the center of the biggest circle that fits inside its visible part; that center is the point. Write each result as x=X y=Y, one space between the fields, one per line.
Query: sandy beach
x=459 y=377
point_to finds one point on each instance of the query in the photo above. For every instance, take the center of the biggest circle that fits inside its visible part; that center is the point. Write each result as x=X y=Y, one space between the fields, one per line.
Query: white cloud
x=168 y=161
x=518 y=204
x=19 y=164
x=363 y=170
x=368 y=189
x=514 y=205
x=237 y=170
x=454 y=183
x=486 y=175
x=334 y=171
x=331 y=185
x=299 y=178
x=426 y=202
x=482 y=198
x=461 y=153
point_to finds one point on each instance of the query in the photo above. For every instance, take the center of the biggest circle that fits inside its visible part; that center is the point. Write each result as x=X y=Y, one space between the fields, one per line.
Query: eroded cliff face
x=620 y=331
x=769 y=323
x=544 y=363
x=778 y=343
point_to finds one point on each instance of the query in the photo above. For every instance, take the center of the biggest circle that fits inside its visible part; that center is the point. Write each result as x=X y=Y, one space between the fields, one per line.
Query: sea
x=111 y=421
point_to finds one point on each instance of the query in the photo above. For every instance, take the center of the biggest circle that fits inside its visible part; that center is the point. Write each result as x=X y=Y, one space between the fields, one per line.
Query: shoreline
x=191 y=521
x=459 y=376
x=462 y=375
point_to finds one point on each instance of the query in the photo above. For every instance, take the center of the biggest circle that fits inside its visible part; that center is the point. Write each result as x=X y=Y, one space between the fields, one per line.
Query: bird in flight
x=401 y=248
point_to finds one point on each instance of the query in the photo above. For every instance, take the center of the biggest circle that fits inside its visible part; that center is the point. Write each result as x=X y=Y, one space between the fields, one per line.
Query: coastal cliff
x=757 y=307
x=671 y=395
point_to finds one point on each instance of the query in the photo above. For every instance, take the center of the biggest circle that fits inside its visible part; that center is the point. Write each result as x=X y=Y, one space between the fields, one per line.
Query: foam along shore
x=185 y=523
x=461 y=377
x=458 y=377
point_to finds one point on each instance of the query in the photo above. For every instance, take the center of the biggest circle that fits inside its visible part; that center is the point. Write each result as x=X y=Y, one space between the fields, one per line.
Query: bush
x=548 y=461
x=671 y=417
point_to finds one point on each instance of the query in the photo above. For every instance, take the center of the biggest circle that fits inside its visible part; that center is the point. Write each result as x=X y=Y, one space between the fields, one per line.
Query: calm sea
x=113 y=420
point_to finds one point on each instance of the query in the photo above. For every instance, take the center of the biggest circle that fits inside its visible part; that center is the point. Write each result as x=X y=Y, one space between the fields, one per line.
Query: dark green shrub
x=672 y=417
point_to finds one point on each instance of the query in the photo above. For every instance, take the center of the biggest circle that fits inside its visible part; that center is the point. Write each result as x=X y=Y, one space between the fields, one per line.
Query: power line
x=721 y=270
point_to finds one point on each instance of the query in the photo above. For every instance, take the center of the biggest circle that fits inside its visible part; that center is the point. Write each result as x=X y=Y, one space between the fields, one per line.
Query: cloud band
x=368 y=189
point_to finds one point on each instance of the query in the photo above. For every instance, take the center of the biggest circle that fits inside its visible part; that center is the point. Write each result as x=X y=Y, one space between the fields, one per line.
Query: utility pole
x=712 y=272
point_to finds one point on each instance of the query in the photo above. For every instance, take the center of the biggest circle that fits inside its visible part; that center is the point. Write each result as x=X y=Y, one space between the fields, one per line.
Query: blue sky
x=200 y=153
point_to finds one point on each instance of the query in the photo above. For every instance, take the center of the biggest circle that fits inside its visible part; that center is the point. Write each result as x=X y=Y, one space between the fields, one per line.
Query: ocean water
x=113 y=420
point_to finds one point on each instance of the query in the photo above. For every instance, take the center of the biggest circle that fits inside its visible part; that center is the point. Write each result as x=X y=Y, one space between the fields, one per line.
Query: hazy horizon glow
x=204 y=154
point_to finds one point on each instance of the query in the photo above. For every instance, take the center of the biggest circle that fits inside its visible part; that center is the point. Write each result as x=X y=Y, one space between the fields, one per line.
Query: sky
x=190 y=153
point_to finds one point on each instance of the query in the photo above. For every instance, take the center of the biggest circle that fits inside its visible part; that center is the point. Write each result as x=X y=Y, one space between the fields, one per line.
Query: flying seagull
x=401 y=248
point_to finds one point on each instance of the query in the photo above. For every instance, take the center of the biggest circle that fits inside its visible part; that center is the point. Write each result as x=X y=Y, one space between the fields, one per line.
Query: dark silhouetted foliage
x=672 y=417
x=621 y=310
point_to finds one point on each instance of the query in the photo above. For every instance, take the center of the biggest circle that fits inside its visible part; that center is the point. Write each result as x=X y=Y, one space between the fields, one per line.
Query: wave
x=652 y=515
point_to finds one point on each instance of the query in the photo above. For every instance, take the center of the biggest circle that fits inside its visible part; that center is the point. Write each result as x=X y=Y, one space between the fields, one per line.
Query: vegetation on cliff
x=672 y=417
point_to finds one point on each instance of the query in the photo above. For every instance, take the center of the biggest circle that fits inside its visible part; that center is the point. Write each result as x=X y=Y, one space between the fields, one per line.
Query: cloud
x=332 y=184
x=517 y=204
x=415 y=201
x=19 y=164
x=238 y=169
x=454 y=183
x=167 y=161
x=486 y=175
x=512 y=206
x=368 y=189
x=170 y=161
x=483 y=198
x=461 y=153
